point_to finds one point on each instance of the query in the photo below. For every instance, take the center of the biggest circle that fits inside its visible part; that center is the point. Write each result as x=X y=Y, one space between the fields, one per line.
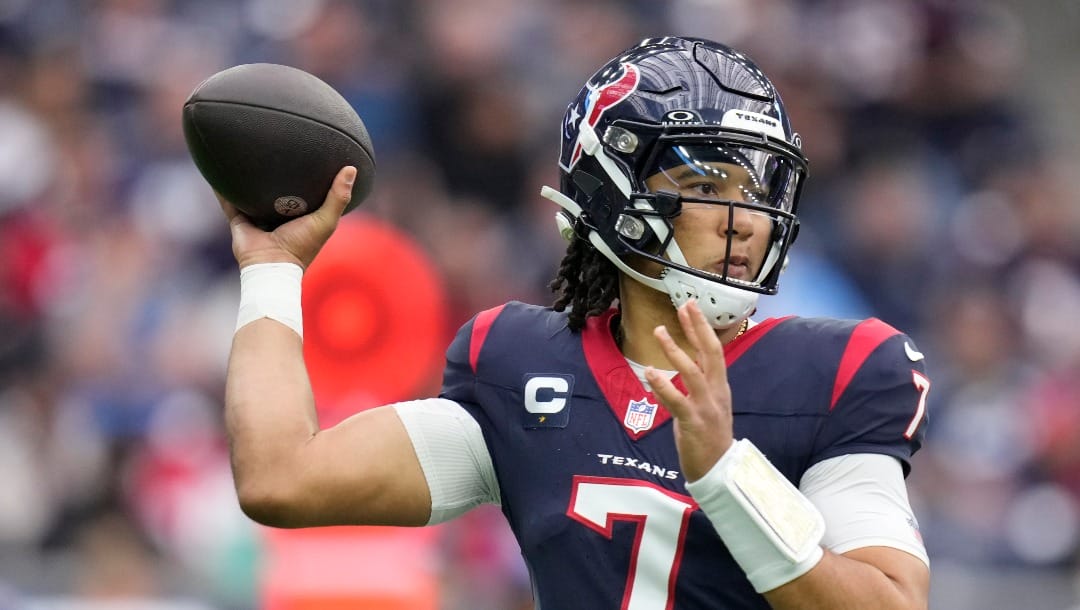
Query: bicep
x=908 y=573
x=363 y=471
x=865 y=503
x=868 y=517
x=450 y=447
x=420 y=462
x=874 y=557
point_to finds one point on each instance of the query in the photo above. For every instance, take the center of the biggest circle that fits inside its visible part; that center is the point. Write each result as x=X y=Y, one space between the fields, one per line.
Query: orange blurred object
x=374 y=319
x=374 y=333
x=351 y=568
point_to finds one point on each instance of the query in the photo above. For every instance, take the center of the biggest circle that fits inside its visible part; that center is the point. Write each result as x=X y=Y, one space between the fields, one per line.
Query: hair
x=587 y=283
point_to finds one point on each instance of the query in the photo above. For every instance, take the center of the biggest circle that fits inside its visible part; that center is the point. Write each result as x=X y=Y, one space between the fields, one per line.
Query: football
x=270 y=139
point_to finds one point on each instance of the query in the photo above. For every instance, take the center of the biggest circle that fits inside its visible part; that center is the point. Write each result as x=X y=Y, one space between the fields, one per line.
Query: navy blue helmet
x=679 y=104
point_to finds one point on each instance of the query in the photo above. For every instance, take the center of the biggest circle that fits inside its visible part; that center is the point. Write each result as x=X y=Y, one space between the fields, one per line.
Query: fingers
x=705 y=340
x=703 y=419
x=702 y=376
x=691 y=375
x=337 y=199
x=339 y=195
x=670 y=396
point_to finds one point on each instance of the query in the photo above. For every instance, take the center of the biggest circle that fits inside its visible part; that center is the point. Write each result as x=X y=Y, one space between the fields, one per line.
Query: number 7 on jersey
x=662 y=517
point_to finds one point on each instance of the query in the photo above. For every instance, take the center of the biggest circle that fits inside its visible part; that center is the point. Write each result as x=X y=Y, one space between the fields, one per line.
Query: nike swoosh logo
x=912 y=355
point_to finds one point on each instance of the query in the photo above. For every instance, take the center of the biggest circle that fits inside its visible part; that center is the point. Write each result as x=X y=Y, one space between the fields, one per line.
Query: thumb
x=339 y=195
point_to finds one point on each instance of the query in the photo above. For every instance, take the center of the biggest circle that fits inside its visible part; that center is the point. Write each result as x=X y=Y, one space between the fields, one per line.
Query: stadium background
x=944 y=199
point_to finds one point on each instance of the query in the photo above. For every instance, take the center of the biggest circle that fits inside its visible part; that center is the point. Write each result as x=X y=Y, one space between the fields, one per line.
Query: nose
x=738 y=221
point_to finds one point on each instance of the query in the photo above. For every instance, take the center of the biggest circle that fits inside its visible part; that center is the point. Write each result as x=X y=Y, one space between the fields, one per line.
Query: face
x=702 y=229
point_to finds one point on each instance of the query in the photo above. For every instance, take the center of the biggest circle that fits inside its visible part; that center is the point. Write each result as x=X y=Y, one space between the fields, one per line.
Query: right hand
x=296 y=241
x=703 y=417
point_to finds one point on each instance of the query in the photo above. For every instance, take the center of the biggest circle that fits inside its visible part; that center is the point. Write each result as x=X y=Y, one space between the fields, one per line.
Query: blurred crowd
x=938 y=201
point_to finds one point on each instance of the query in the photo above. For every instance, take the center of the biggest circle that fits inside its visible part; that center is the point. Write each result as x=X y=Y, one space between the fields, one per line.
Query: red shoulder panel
x=480 y=329
x=738 y=347
x=867 y=336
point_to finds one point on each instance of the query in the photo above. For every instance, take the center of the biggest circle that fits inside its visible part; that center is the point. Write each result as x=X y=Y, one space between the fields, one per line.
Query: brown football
x=271 y=138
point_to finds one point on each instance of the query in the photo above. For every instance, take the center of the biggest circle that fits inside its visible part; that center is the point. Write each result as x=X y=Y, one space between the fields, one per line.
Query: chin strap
x=724 y=306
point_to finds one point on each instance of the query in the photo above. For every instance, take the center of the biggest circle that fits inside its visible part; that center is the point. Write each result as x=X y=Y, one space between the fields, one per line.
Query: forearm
x=840 y=582
x=269 y=410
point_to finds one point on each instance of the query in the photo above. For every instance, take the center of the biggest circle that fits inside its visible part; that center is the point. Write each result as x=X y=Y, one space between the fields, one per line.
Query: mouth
x=738 y=267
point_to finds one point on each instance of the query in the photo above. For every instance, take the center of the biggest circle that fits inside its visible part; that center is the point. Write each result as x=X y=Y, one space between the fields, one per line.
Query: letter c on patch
x=546 y=394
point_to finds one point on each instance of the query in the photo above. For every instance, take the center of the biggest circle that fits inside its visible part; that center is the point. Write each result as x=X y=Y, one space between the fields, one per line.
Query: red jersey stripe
x=480 y=329
x=738 y=347
x=867 y=336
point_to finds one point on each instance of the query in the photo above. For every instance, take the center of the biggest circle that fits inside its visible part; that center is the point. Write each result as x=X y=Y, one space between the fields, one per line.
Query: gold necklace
x=742 y=329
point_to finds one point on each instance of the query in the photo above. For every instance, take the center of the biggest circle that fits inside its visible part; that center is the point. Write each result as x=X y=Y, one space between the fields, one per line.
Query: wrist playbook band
x=271 y=290
x=770 y=528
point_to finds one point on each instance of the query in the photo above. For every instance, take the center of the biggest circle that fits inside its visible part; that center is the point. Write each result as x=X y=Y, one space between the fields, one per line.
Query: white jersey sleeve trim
x=452 y=453
x=865 y=503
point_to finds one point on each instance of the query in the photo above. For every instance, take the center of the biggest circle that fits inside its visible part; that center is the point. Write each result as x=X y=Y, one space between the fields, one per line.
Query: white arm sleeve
x=865 y=503
x=453 y=455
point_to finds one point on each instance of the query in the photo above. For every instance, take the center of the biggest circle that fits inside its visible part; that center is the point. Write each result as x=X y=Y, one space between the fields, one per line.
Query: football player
x=651 y=446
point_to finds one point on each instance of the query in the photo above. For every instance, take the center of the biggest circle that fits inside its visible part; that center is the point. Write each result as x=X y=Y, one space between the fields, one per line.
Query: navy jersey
x=586 y=460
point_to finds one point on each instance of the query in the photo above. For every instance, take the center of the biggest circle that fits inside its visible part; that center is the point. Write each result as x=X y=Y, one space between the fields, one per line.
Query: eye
x=703 y=189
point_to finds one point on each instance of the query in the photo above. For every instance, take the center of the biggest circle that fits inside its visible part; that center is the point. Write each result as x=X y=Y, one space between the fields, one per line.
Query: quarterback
x=650 y=445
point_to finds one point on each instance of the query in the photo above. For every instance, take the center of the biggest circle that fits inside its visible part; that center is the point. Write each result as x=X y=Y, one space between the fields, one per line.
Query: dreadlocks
x=587 y=283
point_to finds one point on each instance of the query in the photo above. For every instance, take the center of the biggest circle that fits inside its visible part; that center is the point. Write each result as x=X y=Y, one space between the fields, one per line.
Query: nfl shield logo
x=639 y=415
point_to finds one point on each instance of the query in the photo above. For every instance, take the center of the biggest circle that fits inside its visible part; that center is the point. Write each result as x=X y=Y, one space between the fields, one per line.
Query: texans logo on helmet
x=604 y=97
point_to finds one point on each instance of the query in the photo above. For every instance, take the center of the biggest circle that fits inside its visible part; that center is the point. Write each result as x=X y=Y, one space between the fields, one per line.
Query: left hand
x=702 y=417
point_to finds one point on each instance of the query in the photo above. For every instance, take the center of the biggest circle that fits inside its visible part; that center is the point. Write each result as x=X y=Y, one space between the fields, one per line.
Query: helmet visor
x=722 y=172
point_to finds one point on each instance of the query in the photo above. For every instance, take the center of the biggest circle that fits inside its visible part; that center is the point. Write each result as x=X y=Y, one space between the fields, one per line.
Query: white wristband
x=771 y=529
x=271 y=290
